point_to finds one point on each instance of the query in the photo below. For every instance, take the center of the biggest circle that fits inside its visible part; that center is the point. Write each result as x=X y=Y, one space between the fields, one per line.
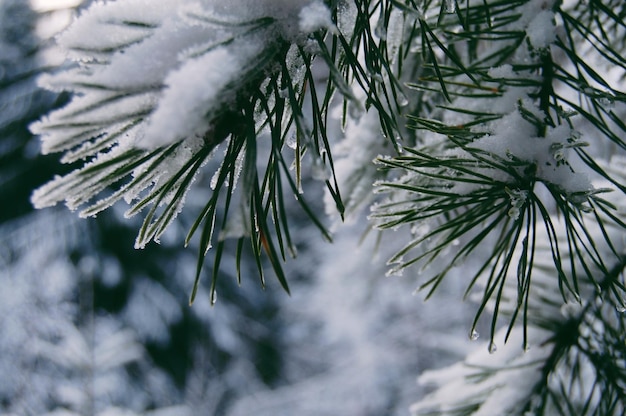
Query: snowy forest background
x=91 y=326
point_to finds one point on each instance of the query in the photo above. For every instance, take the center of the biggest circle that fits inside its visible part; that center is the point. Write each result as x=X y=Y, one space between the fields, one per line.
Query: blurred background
x=91 y=326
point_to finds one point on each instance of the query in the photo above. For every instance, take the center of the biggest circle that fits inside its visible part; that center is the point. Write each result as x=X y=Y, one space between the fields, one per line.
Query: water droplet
x=474 y=335
x=402 y=100
x=621 y=308
x=213 y=297
x=291 y=140
x=492 y=347
x=320 y=170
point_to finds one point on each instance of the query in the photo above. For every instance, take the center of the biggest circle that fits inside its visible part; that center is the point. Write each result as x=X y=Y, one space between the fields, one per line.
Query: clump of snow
x=530 y=10
x=494 y=392
x=42 y=6
x=502 y=71
x=541 y=31
x=315 y=16
x=515 y=138
x=189 y=100
x=346 y=18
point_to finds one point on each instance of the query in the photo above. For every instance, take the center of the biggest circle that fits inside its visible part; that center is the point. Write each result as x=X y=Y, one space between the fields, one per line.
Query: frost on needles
x=157 y=86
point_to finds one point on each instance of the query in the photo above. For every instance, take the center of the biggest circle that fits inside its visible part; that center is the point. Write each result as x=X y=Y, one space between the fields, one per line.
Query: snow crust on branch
x=184 y=59
x=514 y=138
x=146 y=75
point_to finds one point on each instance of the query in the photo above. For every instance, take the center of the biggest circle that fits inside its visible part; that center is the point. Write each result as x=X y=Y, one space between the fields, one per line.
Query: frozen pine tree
x=491 y=132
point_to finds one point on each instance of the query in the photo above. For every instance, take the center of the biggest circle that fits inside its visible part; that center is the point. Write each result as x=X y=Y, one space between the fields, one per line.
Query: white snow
x=51 y=5
x=184 y=56
x=189 y=100
x=148 y=74
x=515 y=138
x=315 y=16
x=541 y=31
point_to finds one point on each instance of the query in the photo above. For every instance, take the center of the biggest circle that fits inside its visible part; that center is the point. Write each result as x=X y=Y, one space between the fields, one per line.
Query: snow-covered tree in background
x=492 y=132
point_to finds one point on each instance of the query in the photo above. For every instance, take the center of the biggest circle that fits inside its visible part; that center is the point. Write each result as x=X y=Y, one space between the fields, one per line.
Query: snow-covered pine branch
x=150 y=76
x=572 y=355
x=158 y=87
x=513 y=146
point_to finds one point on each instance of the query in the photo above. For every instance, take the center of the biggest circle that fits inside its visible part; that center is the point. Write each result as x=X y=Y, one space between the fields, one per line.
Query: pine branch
x=145 y=133
x=499 y=175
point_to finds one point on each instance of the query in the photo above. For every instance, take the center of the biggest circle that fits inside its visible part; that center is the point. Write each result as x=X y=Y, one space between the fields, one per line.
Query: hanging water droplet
x=526 y=347
x=213 y=297
x=319 y=170
x=474 y=335
x=492 y=347
x=381 y=29
x=291 y=140
x=402 y=100
x=621 y=308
